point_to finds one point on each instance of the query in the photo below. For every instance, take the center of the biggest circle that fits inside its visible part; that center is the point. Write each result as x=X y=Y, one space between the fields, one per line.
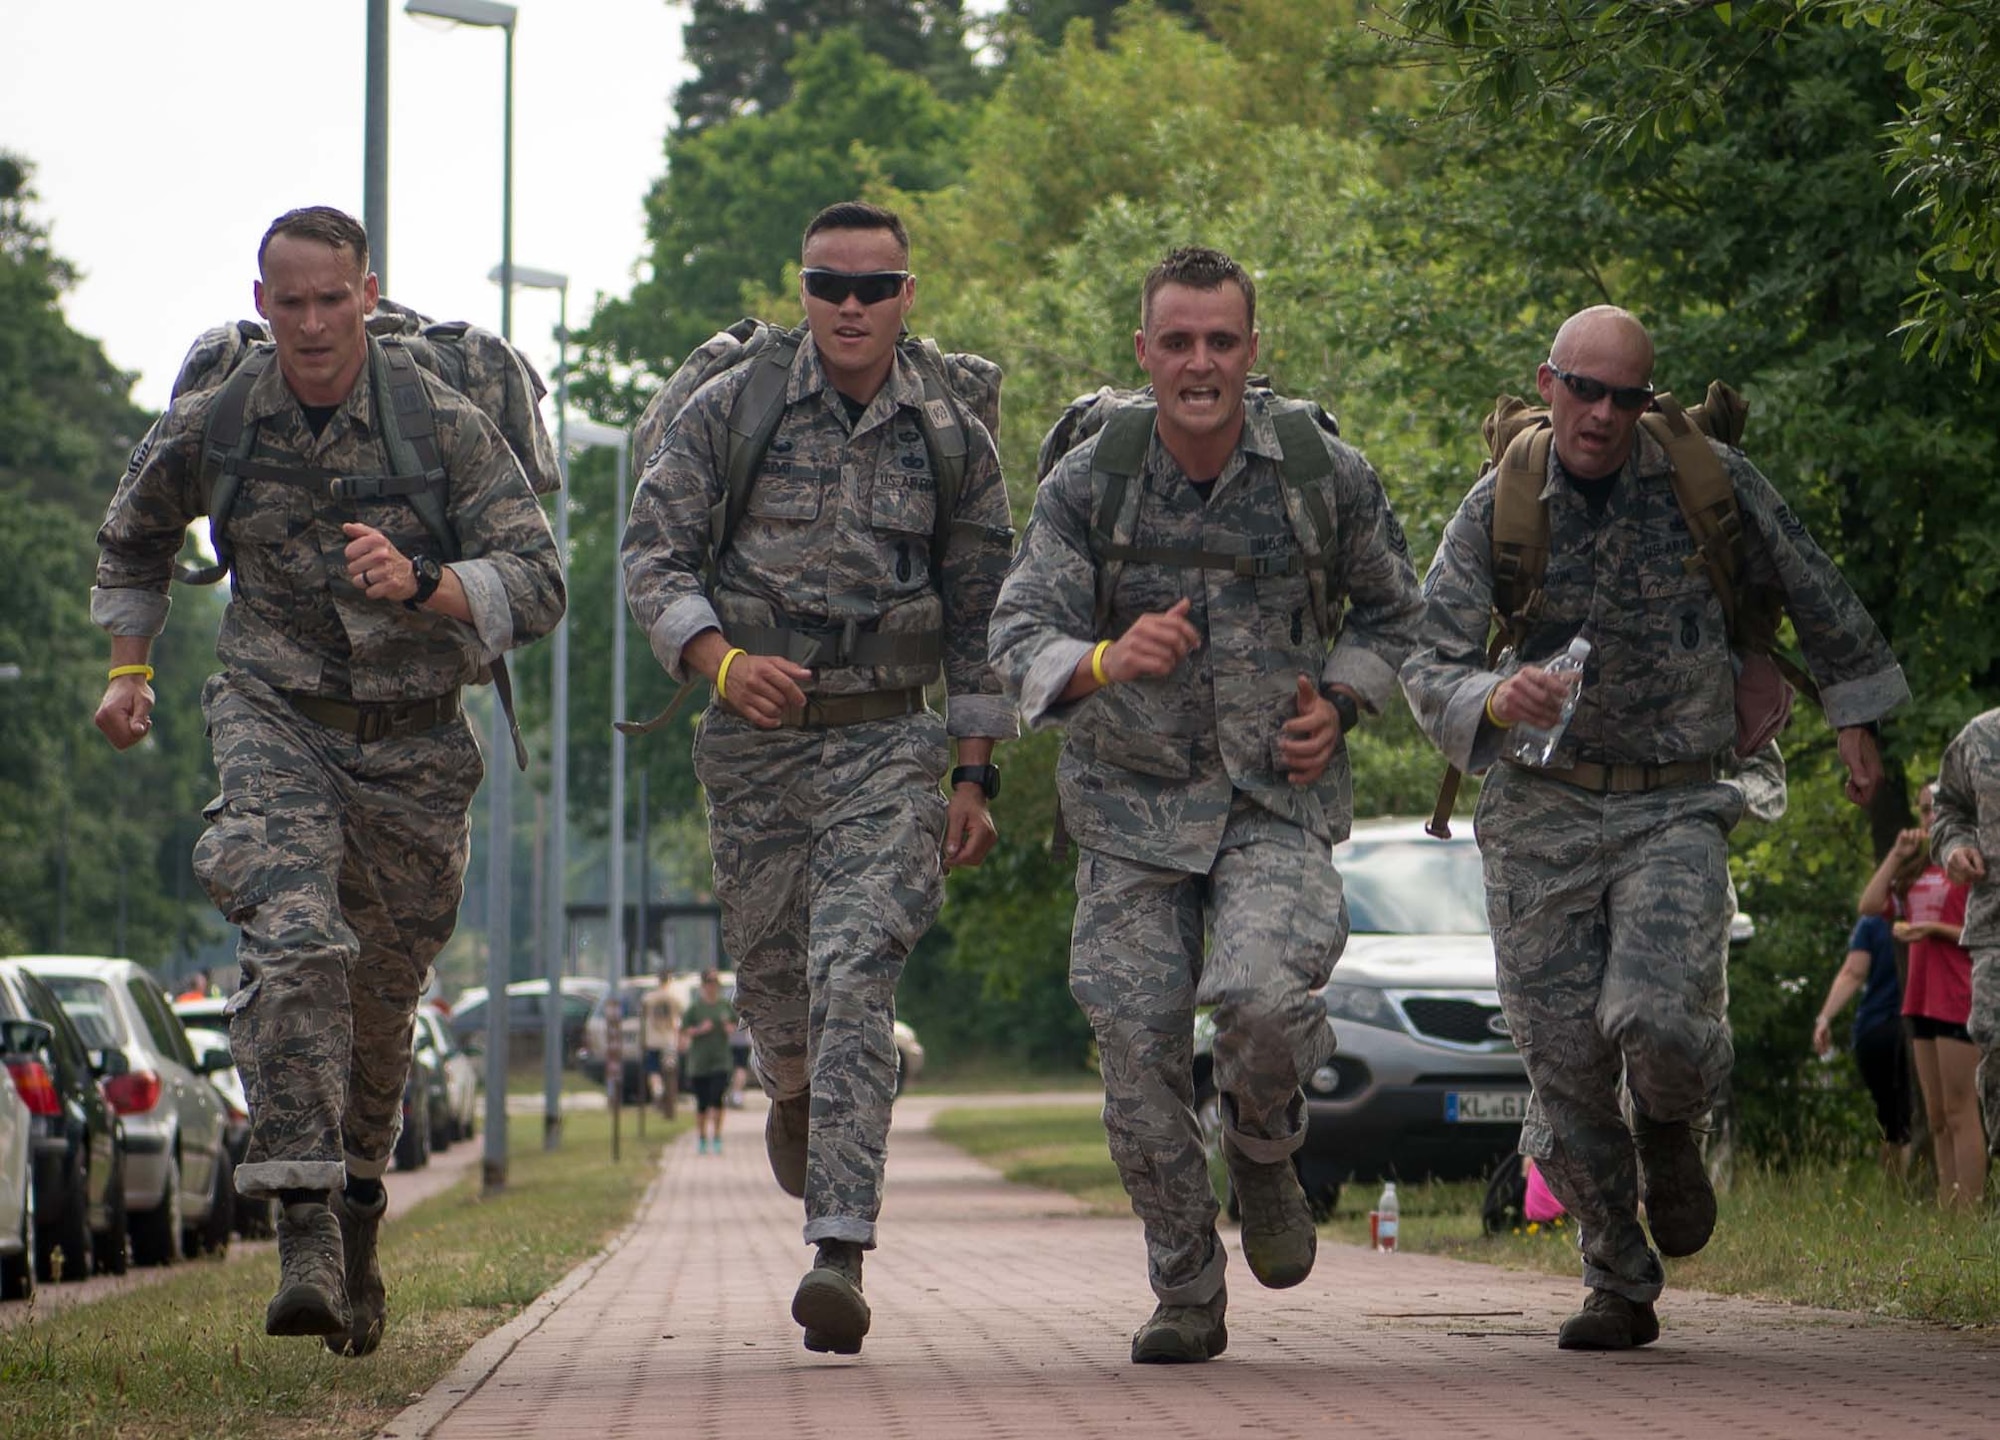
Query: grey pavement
x=1002 y=1311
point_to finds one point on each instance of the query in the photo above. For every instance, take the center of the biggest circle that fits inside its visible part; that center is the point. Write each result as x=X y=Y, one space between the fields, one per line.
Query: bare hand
x=1822 y=1040
x=1908 y=843
x=1965 y=865
x=378 y=569
x=1907 y=930
x=125 y=714
x=969 y=831
x=1531 y=696
x=1864 y=763
x=763 y=687
x=1306 y=743
x=1154 y=646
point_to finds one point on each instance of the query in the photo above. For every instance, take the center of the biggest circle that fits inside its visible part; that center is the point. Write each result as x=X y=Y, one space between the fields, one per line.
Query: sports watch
x=986 y=777
x=429 y=576
x=1344 y=706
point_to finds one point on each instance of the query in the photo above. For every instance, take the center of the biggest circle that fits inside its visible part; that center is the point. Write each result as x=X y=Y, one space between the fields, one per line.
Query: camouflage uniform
x=1610 y=911
x=341 y=861
x=826 y=839
x=1968 y=813
x=1188 y=827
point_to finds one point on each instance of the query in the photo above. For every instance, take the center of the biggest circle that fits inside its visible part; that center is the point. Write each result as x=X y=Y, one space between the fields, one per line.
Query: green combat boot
x=829 y=1302
x=1182 y=1334
x=311 y=1298
x=1279 y=1240
x=366 y=1298
x=1674 y=1184
x=785 y=1130
x=1609 y=1321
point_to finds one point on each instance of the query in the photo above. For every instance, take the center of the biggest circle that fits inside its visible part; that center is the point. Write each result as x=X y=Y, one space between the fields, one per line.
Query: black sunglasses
x=1590 y=391
x=871 y=287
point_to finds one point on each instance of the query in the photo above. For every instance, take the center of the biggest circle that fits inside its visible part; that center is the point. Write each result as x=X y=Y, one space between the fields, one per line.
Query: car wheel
x=72 y=1235
x=17 y=1272
x=221 y=1206
x=156 y=1233
x=114 y=1241
x=413 y=1146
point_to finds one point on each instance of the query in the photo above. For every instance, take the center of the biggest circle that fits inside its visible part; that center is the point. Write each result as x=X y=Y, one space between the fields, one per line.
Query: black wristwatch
x=1344 y=706
x=429 y=575
x=986 y=777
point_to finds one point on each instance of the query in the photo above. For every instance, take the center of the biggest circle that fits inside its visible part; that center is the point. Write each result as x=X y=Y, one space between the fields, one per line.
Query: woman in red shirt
x=1929 y=913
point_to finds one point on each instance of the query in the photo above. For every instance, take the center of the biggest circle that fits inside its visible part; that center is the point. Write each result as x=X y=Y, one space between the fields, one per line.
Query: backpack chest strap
x=333 y=484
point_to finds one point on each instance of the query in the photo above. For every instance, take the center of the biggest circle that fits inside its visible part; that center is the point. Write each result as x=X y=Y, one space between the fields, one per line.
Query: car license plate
x=1485 y=1107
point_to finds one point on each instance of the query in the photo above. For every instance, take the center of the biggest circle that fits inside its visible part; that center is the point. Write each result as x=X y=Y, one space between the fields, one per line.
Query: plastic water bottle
x=1385 y=1218
x=1533 y=745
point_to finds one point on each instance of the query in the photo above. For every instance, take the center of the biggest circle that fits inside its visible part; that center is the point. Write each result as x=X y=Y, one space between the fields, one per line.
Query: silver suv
x=178 y=1189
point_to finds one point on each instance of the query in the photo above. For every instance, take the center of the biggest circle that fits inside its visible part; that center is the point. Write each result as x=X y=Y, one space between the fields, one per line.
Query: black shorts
x=1881 y=1054
x=1922 y=1027
x=709 y=1090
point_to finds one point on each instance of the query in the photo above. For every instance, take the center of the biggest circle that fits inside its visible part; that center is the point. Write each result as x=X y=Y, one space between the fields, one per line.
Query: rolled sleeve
x=1048 y=676
x=684 y=618
x=979 y=717
x=1364 y=672
x=1860 y=702
x=486 y=597
x=120 y=610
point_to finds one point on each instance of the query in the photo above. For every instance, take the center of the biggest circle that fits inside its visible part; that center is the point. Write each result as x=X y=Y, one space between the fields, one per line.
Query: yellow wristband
x=1503 y=724
x=1097 y=663
x=144 y=672
x=722 y=670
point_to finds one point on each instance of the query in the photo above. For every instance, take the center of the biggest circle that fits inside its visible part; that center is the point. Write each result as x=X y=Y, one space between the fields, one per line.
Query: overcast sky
x=165 y=137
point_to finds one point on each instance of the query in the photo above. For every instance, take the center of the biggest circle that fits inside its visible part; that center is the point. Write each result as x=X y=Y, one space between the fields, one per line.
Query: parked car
x=525 y=998
x=455 y=1093
x=208 y=1029
x=79 y=1139
x=417 y=1138
x=178 y=1187
x=18 y=1235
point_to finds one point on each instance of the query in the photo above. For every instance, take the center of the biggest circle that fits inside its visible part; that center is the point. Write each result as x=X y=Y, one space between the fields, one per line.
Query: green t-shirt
x=708 y=1053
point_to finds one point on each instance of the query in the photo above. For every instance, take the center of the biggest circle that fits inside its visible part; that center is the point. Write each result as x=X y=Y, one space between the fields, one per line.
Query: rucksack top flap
x=722 y=351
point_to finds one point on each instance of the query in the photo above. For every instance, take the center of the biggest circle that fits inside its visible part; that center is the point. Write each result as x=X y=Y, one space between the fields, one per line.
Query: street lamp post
x=500 y=774
x=555 y=925
x=590 y=433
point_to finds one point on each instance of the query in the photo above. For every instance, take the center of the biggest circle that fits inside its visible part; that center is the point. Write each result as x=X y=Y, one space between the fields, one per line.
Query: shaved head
x=1603 y=333
x=1600 y=356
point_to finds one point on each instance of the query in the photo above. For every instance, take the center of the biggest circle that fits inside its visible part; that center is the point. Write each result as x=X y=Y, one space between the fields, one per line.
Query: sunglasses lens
x=874 y=289
x=1631 y=399
x=834 y=286
x=1587 y=390
x=1590 y=391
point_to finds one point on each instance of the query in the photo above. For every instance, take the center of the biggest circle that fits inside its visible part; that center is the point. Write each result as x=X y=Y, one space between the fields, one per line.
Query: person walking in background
x=1877 y=1037
x=705 y=1032
x=659 y=1037
x=1968 y=803
x=1928 y=915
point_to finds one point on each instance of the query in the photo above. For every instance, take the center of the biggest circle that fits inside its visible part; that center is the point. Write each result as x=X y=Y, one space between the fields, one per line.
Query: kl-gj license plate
x=1485 y=1107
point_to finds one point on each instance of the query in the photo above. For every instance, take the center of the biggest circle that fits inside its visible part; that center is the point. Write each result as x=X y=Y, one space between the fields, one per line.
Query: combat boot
x=1279 y=1240
x=1608 y=1321
x=1674 y=1184
x=785 y=1129
x=829 y=1302
x=367 y=1299
x=312 y=1297
x=1182 y=1334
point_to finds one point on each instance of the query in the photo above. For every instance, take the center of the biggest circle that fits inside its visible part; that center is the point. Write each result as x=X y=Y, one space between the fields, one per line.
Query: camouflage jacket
x=837 y=529
x=294 y=619
x=1149 y=769
x=1968 y=813
x=1660 y=685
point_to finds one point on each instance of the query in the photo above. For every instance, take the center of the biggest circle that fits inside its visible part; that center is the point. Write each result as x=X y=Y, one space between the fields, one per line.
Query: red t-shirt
x=1940 y=983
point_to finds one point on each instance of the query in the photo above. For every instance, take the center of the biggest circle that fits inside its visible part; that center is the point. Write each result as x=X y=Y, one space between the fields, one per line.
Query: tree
x=743 y=50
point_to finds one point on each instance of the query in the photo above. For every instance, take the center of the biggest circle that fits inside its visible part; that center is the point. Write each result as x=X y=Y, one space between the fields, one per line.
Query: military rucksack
x=1518 y=436
x=475 y=363
x=1126 y=417
x=958 y=388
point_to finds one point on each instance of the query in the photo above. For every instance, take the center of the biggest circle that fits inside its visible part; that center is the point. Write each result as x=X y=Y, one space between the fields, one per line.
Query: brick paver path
x=1004 y=1312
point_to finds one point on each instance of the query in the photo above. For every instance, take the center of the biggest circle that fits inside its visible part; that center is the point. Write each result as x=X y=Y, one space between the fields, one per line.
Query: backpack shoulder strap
x=1120 y=454
x=1303 y=474
x=409 y=434
x=1707 y=498
x=1520 y=529
x=227 y=441
x=753 y=420
x=938 y=417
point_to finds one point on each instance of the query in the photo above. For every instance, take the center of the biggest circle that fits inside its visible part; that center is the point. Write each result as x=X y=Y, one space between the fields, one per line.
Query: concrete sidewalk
x=1002 y=1311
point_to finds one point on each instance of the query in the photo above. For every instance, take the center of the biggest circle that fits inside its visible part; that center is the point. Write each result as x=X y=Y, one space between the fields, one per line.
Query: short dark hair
x=322 y=223
x=858 y=215
x=1199 y=268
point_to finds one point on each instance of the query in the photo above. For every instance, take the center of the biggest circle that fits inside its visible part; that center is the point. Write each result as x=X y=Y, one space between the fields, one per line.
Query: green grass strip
x=188 y=1356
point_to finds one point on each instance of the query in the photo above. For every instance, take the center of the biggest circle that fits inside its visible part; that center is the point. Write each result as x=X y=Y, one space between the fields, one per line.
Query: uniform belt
x=1629 y=779
x=843 y=645
x=367 y=723
x=856 y=709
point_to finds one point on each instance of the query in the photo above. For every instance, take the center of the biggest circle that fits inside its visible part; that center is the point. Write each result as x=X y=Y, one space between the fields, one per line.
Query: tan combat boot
x=829 y=1303
x=1182 y=1334
x=312 y=1296
x=1609 y=1321
x=1674 y=1184
x=367 y=1298
x=785 y=1130
x=1279 y=1239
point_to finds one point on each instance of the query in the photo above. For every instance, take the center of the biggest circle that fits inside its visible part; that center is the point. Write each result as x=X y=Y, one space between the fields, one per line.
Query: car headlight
x=1361 y=1004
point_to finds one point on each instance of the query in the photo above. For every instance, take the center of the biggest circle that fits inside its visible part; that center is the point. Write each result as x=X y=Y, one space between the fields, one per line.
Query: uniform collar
x=903 y=387
x=270 y=396
x=1648 y=458
x=1259 y=437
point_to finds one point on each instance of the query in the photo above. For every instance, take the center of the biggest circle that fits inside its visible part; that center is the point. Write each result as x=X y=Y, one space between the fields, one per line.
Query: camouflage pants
x=343 y=864
x=1610 y=918
x=1984 y=1025
x=1272 y=913
x=826 y=846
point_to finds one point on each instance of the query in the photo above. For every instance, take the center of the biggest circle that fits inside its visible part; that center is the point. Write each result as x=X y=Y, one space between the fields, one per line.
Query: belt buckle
x=372 y=725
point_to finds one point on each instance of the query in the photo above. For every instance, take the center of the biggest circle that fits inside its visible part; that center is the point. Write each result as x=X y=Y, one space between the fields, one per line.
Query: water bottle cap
x=1579 y=648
